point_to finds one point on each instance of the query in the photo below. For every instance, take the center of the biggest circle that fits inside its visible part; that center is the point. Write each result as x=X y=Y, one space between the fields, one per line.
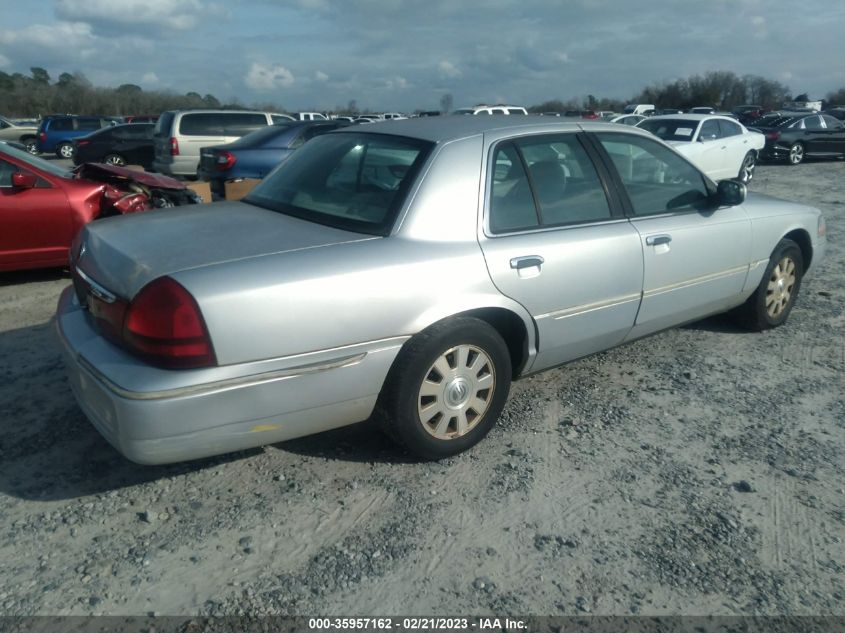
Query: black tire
x=796 y=154
x=746 y=169
x=114 y=159
x=398 y=407
x=757 y=313
x=64 y=150
x=31 y=144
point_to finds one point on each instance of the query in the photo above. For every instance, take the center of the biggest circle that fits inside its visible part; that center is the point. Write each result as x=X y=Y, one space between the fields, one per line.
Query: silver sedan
x=409 y=271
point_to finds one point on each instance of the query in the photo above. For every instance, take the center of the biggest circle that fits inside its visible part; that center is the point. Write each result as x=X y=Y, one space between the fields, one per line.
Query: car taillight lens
x=773 y=136
x=43 y=137
x=225 y=160
x=174 y=146
x=81 y=143
x=165 y=325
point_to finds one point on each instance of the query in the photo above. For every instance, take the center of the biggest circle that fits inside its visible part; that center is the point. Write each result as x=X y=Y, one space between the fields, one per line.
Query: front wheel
x=114 y=159
x=446 y=388
x=746 y=170
x=774 y=298
x=796 y=154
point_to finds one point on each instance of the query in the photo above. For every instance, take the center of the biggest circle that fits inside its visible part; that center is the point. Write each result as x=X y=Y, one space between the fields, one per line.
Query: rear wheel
x=746 y=170
x=64 y=150
x=796 y=154
x=774 y=298
x=31 y=145
x=114 y=159
x=446 y=388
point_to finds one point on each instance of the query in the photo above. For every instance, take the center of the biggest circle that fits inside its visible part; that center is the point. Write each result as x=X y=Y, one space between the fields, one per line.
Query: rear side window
x=202 y=124
x=656 y=179
x=561 y=186
x=90 y=124
x=61 y=125
x=351 y=181
x=239 y=124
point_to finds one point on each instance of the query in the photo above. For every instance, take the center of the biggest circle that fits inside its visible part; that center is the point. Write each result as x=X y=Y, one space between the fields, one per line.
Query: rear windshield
x=670 y=129
x=351 y=181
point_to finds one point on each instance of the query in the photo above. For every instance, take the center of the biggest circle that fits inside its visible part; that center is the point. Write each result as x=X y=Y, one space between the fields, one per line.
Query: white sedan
x=718 y=145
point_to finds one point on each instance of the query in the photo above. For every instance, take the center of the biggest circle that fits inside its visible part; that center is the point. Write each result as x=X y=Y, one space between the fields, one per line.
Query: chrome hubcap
x=748 y=168
x=796 y=153
x=66 y=151
x=456 y=392
x=780 y=287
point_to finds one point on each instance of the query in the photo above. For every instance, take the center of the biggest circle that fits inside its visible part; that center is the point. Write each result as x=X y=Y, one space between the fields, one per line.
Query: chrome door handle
x=526 y=261
x=655 y=240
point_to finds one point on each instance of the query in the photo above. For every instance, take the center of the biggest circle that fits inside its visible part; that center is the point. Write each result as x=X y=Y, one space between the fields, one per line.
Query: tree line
x=37 y=94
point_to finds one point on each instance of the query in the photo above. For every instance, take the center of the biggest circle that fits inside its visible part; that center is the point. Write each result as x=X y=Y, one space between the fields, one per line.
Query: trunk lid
x=125 y=253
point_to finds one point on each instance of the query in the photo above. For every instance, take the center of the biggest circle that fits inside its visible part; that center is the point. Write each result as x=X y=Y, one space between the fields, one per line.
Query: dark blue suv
x=56 y=133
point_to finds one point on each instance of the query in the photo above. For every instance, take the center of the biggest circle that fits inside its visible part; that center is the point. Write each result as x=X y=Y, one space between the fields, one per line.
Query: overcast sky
x=405 y=54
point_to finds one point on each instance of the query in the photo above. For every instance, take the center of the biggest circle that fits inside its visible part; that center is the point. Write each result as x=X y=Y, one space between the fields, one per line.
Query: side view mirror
x=730 y=193
x=21 y=180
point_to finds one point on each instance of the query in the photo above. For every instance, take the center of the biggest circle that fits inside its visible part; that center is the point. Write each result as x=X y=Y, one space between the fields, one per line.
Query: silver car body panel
x=306 y=320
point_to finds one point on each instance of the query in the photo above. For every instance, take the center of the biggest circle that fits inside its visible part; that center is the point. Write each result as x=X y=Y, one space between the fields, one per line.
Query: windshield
x=351 y=181
x=670 y=129
x=35 y=161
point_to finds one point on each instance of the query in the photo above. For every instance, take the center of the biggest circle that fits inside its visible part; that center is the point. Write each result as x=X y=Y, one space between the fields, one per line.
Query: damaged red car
x=43 y=206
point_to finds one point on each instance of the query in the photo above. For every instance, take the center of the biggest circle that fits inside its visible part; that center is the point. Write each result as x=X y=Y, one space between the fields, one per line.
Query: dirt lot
x=700 y=471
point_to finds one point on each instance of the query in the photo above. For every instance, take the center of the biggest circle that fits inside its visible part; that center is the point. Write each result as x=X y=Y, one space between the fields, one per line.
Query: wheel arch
x=802 y=238
x=512 y=322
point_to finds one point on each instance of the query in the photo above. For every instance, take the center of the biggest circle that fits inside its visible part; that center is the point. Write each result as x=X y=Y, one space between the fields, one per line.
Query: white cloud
x=396 y=83
x=448 y=70
x=268 y=77
x=321 y=76
x=562 y=57
x=149 y=78
x=171 y=14
x=4 y=61
x=73 y=35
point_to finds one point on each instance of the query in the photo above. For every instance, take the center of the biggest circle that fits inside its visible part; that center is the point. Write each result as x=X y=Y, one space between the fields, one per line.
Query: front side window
x=656 y=179
x=831 y=123
x=240 y=124
x=352 y=181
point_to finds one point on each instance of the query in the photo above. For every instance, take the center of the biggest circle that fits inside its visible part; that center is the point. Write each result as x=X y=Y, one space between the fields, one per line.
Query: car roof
x=691 y=117
x=442 y=129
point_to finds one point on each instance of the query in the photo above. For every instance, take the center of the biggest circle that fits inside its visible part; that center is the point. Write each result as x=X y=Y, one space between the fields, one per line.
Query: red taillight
x=164 y=324
x=773 y=136
x=43 y=137
x=225 y=160
x=174 y=146
x=80 y=143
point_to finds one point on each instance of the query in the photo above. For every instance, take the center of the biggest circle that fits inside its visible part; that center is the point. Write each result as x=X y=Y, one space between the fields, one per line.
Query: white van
x=311 y=116
x=179 y=135
x=638 y=108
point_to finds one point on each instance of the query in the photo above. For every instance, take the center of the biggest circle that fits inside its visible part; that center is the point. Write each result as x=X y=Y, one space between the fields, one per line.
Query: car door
x=555 y=240
x=712 y=155
x=814 y=136
x=834 y=140
x=695 y=257
x=737 y=145
x=135 y=143
x=36 y=222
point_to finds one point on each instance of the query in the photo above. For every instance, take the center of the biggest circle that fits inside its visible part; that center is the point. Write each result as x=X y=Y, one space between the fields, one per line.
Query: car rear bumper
x=151 y=425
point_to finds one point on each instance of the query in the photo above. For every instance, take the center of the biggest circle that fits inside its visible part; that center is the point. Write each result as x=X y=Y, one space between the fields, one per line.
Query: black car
x=795 y=136
x=257 y=154
x=129 y=144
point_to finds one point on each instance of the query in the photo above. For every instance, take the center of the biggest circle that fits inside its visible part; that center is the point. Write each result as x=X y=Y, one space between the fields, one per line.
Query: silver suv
x=179 y=135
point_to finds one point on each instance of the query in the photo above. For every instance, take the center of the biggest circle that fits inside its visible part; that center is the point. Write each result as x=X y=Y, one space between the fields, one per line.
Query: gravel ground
x=699 y=471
